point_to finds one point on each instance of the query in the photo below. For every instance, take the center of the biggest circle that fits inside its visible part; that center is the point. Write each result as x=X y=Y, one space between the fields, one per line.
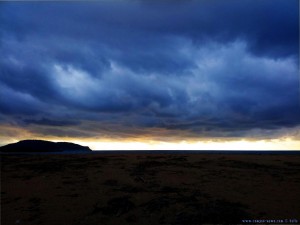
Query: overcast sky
x=161 y=70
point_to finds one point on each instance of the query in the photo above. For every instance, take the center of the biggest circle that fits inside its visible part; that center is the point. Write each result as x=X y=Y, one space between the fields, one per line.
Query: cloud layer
x=168 y=70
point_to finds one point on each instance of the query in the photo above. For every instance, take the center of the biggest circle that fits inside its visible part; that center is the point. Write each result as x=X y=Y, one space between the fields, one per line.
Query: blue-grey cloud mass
x=127 y=68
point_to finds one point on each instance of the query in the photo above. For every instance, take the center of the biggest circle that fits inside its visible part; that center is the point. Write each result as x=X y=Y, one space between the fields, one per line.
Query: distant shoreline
x=218 y=152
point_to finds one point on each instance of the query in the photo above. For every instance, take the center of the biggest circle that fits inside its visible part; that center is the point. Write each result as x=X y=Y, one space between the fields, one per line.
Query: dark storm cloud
x=14 y=102
x=208 y=68
x=49 y=122
x=271 y=27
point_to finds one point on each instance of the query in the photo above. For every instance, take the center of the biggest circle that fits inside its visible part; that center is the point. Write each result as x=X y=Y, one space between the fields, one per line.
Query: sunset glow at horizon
x=241 y=145
x=201 y=145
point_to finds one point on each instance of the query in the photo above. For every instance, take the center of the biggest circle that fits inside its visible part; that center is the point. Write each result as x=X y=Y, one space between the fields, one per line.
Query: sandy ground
x=98 y=189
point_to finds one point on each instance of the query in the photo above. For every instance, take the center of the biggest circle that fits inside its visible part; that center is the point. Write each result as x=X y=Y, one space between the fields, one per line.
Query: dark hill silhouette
x=42 y=146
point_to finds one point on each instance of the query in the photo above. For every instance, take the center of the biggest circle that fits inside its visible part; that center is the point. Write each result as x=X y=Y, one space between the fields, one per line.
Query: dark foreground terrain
x=96 y=189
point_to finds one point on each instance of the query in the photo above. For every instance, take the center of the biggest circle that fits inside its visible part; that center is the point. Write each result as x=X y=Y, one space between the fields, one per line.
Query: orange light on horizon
x=274 y=144
x=14 y=134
